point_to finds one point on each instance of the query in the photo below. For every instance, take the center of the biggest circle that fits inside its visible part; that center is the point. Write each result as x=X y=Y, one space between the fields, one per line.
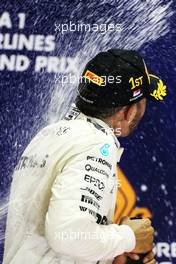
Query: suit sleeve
x=76 y=223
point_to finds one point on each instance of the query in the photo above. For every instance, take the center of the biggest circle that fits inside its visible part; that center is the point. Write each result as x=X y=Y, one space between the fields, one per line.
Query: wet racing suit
x=63 y=196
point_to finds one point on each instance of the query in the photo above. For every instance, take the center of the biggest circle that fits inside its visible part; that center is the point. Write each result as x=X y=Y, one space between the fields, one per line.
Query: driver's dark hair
x=94 y=111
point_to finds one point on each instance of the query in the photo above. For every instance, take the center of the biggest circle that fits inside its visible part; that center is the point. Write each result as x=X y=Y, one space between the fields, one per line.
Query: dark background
x=29 y=100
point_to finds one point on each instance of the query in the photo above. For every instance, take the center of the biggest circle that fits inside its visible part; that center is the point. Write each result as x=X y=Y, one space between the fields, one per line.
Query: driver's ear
x=120 y=115
x=130 y=113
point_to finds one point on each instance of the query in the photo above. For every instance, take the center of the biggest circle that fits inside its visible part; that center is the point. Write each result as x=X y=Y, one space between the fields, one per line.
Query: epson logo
x=96 y=182
x=100 y=160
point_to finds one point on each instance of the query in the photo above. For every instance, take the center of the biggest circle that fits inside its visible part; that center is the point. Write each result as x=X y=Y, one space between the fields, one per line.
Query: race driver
x=64 y=186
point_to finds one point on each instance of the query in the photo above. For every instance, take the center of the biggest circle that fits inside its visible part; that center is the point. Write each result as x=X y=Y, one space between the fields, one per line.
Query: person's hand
x=122 y=259
x=149 y=258
x=144 y=234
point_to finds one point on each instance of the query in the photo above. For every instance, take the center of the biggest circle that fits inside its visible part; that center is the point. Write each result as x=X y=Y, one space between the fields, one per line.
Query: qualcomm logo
x=105 y=150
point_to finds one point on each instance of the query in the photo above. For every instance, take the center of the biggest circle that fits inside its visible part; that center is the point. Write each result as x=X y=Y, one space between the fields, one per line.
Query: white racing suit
x=63 y=195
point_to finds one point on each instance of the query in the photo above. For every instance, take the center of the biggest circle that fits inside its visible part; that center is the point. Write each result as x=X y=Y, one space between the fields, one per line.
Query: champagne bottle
x=141 y=256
